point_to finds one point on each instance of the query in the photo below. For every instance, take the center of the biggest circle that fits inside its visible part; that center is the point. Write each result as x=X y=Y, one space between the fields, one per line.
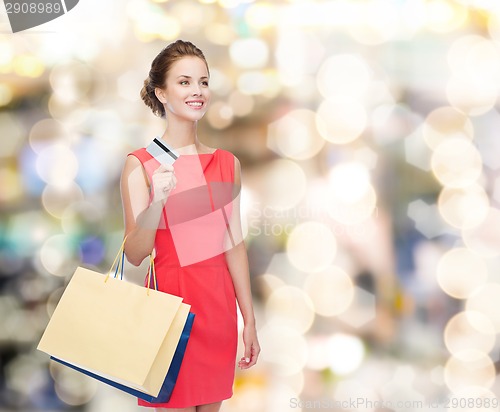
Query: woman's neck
x=182 y=136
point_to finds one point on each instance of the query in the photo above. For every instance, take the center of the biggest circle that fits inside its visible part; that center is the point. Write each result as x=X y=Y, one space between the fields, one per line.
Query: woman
x=165 y=209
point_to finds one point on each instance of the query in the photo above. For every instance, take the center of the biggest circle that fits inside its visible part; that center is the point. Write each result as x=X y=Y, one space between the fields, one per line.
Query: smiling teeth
x=198 y=104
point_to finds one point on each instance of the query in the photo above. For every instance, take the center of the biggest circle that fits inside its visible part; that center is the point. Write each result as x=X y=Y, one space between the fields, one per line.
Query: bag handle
x=119 y=265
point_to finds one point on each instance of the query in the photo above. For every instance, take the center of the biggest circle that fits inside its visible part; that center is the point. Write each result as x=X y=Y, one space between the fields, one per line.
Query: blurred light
x=247 y=207
x=311 y=247
x=24 y=374
x=345 y=353
x=366 y=156
x=377 y=22
x=261 y=15
x=82 y=218
x=95 y=170
x=25 y=231
x=57 y=165
x=493 y=25
x=463 y=207
x=392 y=122
x=10 y=185
x=295 y=135
x=6 y=53
x=53 y=300
x=229 y=4
x=477 y=371
x=127 y=85
x=485 y=301
x=5 y=94
x=190 y=16
x=11 y=127
x=55 y=254
x=268 y=283
x=351 y=197
x=298 y=53
x=220 y=83
x=357 y=394
x=152 y=24
x=318 y=352
x=445 y=16
x=283 y=184
x=456 y=162
x=71 y=81
x=258 y=82
x=475 y=57
x=475 y=63
x=55 y=199
x=220 y=115
x=219 y=33
x=28 y=66
x=46 y=132
x=285 y=360
x=249 y=53
x=427 y=219
x=331 y=291
x=63 y=110
x=491 y=5
x=484 y=238
x=344 y=74
x=289 y=306
x=31 y=180
x=242 y=104
x=300 y=89
x=472 y=95
x=461 y=335
x=349 y=181
x=379 y=93
x=72 y=387
x=361 y=310
x=341 y=119
x=443 y=123
x=11 y=262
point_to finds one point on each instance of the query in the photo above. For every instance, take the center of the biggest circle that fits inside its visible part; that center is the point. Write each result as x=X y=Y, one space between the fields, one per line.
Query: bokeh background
x=369 y=137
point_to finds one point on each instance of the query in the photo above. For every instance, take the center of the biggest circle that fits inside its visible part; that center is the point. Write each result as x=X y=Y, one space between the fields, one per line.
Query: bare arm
x=237 y=261
x=142 y=217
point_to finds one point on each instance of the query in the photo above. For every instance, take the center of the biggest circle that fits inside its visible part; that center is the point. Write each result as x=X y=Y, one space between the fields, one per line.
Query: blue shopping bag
x=170 y=379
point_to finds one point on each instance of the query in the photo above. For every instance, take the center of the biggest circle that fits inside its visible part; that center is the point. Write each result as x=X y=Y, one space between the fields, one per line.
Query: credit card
x=161 y=152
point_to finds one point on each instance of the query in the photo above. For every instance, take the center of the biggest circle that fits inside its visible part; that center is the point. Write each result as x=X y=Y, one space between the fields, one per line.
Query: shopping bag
x=117 y=330
x=170 y=379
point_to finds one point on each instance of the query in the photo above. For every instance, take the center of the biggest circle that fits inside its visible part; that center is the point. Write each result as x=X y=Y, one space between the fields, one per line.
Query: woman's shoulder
x=138 y=152
x=228 y=156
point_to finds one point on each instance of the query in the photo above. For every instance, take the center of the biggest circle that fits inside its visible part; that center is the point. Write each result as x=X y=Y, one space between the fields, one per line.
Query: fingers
x=164 y=168
x=249 y=360
x=164 y=181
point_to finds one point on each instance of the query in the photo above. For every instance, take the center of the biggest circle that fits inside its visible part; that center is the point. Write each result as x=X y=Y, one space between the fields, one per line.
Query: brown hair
x=159 y=70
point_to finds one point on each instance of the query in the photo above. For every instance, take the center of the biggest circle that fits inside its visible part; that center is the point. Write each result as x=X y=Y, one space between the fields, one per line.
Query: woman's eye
x=184 y=82
x=204 y=84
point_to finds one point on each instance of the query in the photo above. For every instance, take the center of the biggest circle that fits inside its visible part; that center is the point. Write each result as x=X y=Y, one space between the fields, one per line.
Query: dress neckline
x=198 y=154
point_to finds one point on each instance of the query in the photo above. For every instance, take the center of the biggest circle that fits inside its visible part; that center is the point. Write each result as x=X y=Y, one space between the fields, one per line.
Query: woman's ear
x=160 y=95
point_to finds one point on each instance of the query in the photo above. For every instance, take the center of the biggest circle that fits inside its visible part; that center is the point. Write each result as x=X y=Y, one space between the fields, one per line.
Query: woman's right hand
x=164 y=181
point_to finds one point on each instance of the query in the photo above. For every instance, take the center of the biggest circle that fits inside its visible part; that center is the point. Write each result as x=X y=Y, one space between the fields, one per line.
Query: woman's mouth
x=195 y=104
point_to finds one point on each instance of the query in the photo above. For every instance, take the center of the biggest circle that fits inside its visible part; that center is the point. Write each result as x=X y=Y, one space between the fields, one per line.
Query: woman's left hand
x=252 y=347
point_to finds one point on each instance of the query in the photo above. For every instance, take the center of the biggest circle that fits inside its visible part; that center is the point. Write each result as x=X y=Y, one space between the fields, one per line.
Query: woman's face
x=187 y=94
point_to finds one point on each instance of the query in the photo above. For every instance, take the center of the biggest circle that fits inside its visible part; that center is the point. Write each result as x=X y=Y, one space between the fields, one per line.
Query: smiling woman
x=189 y=214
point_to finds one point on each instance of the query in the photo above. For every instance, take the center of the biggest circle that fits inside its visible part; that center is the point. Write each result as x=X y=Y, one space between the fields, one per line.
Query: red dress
x=184 y=237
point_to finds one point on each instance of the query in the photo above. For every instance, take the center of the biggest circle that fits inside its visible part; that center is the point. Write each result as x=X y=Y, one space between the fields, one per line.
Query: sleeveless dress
x=188 y=265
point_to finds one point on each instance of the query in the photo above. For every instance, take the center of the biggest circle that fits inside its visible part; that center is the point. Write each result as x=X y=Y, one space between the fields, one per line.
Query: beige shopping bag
x=116 y=329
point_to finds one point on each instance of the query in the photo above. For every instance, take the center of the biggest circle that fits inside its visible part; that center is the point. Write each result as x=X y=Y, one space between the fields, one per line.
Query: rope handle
x=119 y=266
